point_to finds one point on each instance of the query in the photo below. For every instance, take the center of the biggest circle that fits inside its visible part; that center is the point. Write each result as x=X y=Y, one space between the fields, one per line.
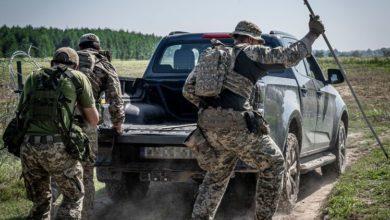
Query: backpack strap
x=79 y=89
x=75 y=81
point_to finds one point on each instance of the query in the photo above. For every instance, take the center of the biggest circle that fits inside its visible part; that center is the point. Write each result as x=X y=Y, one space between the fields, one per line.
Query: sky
x=350 y=24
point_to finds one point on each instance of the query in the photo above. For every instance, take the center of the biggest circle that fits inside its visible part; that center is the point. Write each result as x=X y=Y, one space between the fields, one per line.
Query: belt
x=226 y=100
x=43 y=139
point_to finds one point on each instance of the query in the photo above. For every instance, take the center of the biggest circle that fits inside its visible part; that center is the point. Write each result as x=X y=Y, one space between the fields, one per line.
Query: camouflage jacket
x=243 y=84
x=105 y=79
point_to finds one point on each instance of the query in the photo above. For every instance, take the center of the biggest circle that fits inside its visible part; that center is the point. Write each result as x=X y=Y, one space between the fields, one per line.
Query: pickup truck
x=298 y=100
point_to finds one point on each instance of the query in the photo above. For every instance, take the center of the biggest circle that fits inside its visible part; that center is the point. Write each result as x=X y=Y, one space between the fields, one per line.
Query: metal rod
x=19 y=76
x=349 y=84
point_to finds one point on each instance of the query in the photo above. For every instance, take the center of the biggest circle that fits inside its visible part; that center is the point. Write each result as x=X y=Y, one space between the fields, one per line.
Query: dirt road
x=174 y=200
x=315 y=187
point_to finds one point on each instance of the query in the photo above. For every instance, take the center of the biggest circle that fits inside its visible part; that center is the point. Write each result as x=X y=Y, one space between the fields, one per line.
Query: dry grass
x=363 y=192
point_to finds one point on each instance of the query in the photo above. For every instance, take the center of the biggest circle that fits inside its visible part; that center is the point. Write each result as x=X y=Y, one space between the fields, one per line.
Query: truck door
x=326 y=105
x=309 y=105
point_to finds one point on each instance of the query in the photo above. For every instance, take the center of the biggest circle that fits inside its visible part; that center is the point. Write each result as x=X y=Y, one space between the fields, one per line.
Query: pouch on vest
x=211 y=70
x=87 y=61
x=77 y=144
x=256 y=123
x=13 y=136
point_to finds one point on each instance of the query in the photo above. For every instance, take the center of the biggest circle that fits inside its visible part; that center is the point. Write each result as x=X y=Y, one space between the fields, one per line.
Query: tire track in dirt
x=315 y=187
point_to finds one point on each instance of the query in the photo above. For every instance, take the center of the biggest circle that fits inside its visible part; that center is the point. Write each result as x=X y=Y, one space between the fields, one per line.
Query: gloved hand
x=118 y=128
x=316 y=26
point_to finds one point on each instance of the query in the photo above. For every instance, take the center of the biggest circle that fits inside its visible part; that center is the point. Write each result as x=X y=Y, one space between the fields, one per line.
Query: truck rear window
x=180 y=58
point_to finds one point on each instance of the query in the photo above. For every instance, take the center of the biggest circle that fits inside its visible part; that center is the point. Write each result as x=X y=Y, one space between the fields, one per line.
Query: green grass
x=13 y=202
x=131 y=68
x=364 y=190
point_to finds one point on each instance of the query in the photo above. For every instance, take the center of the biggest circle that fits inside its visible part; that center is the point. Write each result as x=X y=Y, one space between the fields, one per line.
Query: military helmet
x=89 y=38
x=249 y=29
x=66 y=55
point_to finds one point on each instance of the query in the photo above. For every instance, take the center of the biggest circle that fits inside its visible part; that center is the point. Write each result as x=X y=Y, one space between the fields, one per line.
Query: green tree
x=122 y=44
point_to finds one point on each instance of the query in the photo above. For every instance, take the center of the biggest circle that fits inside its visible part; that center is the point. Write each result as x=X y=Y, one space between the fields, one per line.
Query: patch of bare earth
x=315 y=187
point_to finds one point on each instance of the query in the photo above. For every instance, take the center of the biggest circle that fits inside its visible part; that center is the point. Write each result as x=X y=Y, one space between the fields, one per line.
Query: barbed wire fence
x=9 y=97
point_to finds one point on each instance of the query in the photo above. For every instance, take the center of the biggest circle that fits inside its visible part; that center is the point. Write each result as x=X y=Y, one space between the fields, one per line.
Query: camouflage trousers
x=89 y=185
x=88 y=167
x=39 y=163
x=227 y=139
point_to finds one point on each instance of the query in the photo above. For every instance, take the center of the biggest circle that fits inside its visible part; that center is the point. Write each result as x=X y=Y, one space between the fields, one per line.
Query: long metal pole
x=349 y=84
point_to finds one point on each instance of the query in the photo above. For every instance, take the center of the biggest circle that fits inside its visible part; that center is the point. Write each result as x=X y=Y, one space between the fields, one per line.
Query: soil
x=174 y=200
x=315 y=187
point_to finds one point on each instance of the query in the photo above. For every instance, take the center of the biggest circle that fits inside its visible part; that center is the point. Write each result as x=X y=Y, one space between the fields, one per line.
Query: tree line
x=383 y=52
x=122 y=44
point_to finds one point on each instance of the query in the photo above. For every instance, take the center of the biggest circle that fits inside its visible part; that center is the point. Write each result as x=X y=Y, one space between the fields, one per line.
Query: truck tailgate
x=149 y=134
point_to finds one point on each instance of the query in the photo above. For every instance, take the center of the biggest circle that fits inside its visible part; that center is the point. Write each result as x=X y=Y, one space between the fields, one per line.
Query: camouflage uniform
x=104 y=79
x=43 y=154
x=88 y=166
x=223 y=137
x=39 y=163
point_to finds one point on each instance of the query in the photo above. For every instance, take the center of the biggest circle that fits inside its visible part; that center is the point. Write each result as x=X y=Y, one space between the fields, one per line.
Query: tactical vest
x=89 y=61
x=211 y=70
x=239 y=81
x=46 y=102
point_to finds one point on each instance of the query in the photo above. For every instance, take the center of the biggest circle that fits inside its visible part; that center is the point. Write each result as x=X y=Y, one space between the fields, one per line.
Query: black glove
x=316 y=26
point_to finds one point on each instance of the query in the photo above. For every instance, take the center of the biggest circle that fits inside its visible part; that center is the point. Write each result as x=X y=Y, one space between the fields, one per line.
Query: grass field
x=364 y=190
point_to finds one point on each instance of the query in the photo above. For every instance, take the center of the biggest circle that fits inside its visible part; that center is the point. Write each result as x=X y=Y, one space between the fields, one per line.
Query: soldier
x=53 y=145
x=229 y=129
x=95 y=64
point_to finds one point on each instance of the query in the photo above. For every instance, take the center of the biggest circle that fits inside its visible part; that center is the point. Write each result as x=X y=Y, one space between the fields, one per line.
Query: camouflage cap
x=66 y=55
x=249 y=29
x=89 y=38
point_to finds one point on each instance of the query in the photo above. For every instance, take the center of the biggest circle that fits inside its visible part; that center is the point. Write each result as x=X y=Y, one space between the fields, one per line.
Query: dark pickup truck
x=298 y=100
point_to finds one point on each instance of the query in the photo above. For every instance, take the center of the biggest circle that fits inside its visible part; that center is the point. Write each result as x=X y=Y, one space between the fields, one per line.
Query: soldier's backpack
x=46 y=103
x=87 y=61
x=211 y=70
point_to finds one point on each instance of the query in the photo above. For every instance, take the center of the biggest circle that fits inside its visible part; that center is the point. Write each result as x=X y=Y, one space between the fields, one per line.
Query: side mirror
x=335 y=76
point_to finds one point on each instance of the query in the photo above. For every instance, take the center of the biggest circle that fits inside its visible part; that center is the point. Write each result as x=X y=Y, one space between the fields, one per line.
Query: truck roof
x=180 y=35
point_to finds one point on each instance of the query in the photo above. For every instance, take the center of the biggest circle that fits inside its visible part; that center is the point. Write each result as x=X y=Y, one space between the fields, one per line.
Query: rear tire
x=130 y=187
x=338 y=167
x=292 y=173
